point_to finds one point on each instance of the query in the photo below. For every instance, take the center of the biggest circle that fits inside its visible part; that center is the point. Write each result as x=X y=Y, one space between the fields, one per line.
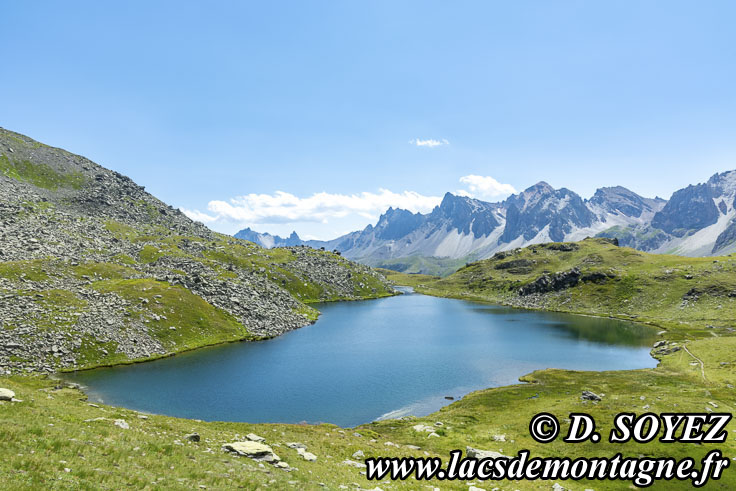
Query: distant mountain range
x=698 y=220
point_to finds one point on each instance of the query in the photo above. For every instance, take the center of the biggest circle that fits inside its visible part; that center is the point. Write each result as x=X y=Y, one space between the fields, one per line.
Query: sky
x=317 y=116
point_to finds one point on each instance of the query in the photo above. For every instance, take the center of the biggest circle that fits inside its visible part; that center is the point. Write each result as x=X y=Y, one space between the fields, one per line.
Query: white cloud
x=282 y=207
x=198 y=215
x=429 y=142
x=485 y=187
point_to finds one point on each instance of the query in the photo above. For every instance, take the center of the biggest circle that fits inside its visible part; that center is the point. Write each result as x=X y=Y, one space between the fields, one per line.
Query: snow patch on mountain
x=456 y=244
x=699 y=243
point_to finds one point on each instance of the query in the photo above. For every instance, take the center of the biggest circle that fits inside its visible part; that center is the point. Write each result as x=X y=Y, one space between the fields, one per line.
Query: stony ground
x=53 y=438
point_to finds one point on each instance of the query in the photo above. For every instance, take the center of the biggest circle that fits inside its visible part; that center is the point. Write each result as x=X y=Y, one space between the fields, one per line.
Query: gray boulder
x=482 y=454
x=590 y=396
x=254 y=450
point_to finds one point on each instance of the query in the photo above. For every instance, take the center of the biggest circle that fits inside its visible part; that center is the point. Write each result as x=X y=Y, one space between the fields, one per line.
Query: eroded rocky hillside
x=94 y=270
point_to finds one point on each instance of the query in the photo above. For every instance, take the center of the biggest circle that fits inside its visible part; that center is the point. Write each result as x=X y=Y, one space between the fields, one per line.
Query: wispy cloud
x=485 y=187
x=431 y=143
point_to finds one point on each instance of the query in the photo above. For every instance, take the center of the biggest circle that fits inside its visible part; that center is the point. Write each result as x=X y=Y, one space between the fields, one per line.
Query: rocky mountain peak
x=532 y=196
x=461 y=226
x=622 y=201
x=723 y=184
x=691 y=208
x=541 y=207
x=450 y=202
x=541 y=187
x=396 y=223
x=466 y=215
x=267 y=240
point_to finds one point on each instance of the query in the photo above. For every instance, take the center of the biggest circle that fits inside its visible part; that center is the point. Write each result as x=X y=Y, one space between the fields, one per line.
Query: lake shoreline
x=466 y=349
x=475 y=420
x=245 y=339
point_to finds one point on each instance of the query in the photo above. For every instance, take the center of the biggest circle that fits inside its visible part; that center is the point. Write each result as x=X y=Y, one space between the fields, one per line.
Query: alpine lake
x=368 y=360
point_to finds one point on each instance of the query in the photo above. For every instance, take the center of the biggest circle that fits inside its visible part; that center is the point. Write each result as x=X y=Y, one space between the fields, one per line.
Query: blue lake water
x=372 y=359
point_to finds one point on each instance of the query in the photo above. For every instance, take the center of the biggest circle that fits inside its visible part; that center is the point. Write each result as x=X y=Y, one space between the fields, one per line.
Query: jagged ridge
x=698 y=220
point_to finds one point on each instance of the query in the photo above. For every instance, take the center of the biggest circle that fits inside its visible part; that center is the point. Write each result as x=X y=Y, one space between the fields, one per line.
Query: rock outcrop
x=552 y=282
x=254 y=450
x=474 y=453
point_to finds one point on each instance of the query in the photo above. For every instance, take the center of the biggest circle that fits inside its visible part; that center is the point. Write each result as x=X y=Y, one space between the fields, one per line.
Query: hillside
x=595 y=276
x=96 y=271
x=73 y=442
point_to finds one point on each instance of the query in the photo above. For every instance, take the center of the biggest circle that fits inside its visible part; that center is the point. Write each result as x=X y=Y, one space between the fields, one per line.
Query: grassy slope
x=645 y=287
x=99 y=454
x=198 y=323
x=226 y=251
x=648 y=288
x=39 y=175
x=53 y=430
x=440 y=266
x=50 y=431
